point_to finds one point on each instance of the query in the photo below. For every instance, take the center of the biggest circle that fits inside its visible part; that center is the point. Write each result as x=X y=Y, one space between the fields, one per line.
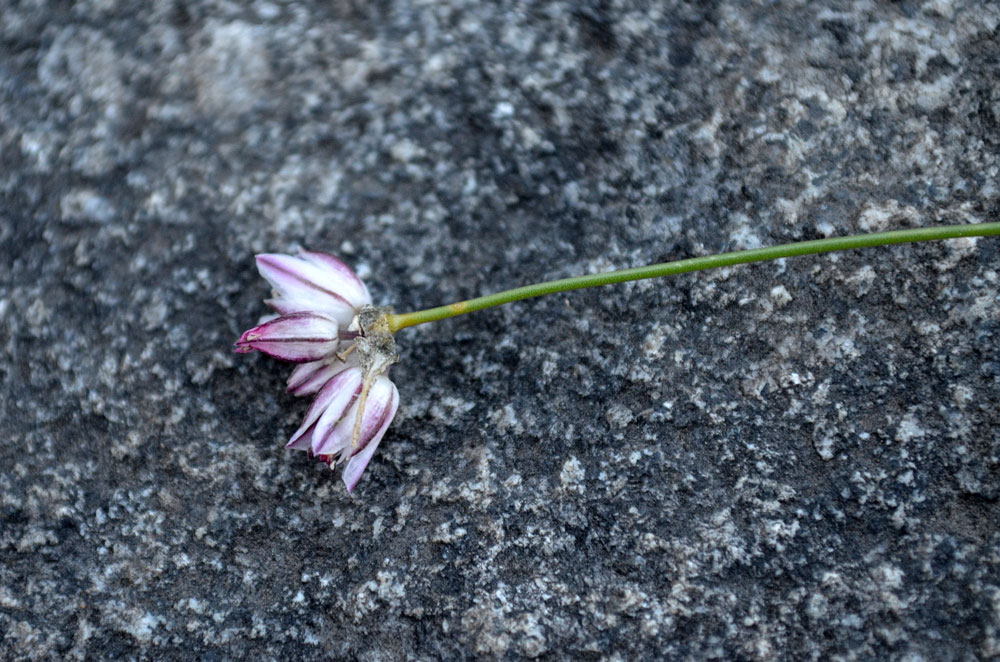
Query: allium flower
x=324 y=305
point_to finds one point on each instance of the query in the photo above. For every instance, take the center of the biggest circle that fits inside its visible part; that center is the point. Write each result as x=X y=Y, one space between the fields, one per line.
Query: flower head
x=323 y=306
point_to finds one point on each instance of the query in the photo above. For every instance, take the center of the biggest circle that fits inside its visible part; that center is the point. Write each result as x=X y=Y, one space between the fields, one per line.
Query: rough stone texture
x=784 y=461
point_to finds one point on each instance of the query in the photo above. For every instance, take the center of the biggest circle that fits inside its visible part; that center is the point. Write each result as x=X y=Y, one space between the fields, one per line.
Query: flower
x=346 y=422
x=322 y=304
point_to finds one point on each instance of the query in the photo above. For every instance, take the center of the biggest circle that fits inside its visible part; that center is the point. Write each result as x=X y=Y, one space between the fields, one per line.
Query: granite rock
x=794 y=460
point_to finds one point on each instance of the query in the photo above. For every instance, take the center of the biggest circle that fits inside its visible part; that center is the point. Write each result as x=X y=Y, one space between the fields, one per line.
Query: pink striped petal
x=346 y=397
x=327 y=396
x=340 y=439
x=356 y=466
x=341 y=312
x=332 y=263
x=298 y=337
x=304 y=442
x=379 y=400
x=313 y=284
x=308 y=378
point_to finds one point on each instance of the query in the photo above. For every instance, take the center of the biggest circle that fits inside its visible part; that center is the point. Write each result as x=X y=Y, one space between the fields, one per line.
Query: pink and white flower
x=318 y=299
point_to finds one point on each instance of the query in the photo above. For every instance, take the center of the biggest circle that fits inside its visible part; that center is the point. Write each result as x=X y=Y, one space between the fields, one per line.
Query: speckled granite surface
x=785 y=461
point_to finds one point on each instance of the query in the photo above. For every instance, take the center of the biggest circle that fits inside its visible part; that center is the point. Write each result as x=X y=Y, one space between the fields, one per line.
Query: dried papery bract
x=375 y=344
x=377 y=349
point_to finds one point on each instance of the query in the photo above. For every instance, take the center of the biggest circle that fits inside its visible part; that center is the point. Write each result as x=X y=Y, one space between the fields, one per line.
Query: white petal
x=356 y=466
x=323 y=400
x=308 y=378
x=347 y=392
x=297 y=337
x=341 y=438
x=312 y=285
x=330 y=263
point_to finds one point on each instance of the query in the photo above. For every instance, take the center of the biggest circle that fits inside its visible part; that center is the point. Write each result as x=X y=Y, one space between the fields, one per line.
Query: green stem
x=401 y=321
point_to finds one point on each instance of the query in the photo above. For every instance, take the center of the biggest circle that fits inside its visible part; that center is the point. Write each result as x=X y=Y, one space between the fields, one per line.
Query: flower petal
x=327 y=395
x=339 y=437
x=313 y=284
x=347 y=392
x=369 y=441
x=332 y=263
x=379 y=400
x=307 y=378
x=304 y=442
x=297 y=337
x=340 y=440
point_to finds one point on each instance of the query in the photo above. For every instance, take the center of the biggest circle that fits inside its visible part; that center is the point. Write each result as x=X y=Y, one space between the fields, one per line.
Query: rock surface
x=792 y=460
